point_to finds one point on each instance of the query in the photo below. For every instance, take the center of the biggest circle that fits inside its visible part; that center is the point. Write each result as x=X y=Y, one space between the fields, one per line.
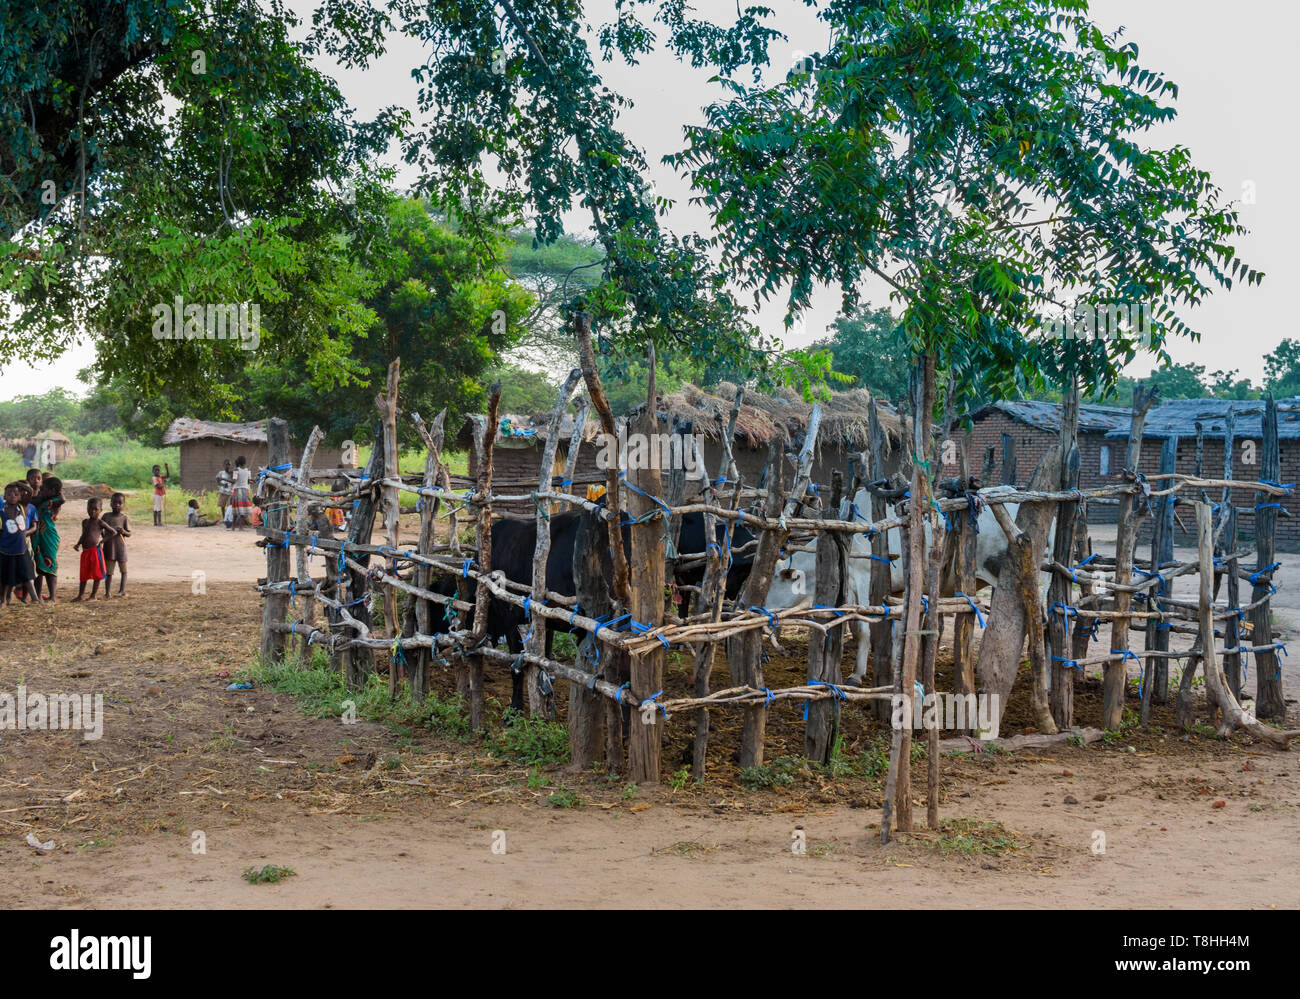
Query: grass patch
x=270 y=874
x=320 y=692
x=534 y=741
x=779 y=772
x=691 y=848
x=968 y=837
x=564 y=798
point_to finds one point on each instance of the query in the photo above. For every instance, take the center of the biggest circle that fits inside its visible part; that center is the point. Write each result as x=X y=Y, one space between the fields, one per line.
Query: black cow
x=514 y=540
x=690 y=541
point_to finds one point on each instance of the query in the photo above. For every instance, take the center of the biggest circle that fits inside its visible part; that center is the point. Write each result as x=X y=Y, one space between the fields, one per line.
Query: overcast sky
x=1232 y=63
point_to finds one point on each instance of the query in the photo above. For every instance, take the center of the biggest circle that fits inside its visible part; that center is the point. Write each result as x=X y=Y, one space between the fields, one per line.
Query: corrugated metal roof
x=1047 y=415
x=185 y=429
x=1179 y=417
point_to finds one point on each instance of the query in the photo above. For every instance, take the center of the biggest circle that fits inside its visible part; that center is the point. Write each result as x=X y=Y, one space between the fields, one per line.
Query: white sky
x=1232 y=64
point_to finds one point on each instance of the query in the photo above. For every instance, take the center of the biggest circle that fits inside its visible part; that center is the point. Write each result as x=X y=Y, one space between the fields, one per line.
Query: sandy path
x=1160 y=853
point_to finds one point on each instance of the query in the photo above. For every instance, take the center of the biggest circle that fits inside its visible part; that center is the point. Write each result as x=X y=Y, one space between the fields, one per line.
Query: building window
x=1105 y=460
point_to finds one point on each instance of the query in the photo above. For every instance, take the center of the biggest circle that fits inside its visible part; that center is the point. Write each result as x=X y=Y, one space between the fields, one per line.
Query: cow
x=794 y=582
x=514 y=541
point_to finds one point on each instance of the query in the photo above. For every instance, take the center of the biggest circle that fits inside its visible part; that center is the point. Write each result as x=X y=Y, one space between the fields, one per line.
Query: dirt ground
x=369 y=815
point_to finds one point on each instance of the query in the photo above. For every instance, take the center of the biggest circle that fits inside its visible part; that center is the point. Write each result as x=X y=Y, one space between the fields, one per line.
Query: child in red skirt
x=93 y=531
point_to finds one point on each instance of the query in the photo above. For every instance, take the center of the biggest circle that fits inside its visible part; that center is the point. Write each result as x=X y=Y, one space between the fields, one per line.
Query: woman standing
x=45 y=542
x=241 y=500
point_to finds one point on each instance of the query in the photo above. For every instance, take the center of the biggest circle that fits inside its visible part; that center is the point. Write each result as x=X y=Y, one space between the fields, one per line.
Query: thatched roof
x=185 y=429
x=763 y=418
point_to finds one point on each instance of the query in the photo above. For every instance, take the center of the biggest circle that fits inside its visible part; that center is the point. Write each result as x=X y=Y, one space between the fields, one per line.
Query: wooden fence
x=616 y=707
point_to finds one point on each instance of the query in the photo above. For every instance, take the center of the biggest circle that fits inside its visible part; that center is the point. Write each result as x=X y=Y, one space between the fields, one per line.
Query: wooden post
x=1008 y=460
x=1228 y=548
x=1059 y=590
x=302 y=517
x=881 y=632
x=1113 y=673
x=1268 y=677
x=744 y=651
x=357 y=663
x=422 y=659
x=1216 y=688
x=963 y=650
x=387 y=404
x=575 y=444
x=645 y=733
x=1155 y=670
x=484 y=443
x=541 y=703
x=826 y=649
x=586 y=707
x=277 y=556
x=900 y=768
x=713 y=586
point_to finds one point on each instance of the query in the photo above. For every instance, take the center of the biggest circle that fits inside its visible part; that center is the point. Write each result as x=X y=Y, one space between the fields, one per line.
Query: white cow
x=794 y=582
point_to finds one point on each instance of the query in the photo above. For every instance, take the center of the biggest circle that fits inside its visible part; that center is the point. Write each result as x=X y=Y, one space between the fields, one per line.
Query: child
x=45 y=542
x=16 y=569
x=196 y=519
x=335 y=513
x=93 y=531
x=26 y=499
x=115 y=545
x=159 y=491
x=225 y=483
x=241 y=499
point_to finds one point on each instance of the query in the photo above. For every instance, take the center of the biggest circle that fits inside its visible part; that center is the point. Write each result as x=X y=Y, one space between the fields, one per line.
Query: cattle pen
x=616 y=709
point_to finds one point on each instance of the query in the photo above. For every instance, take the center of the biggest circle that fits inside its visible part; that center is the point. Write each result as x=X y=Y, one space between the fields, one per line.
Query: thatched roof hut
x=782 y=417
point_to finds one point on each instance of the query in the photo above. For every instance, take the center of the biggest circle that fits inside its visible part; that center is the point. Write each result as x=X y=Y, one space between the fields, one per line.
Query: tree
x=1282 y=369
x=149 y=151
x=869 y=344
x=982 y=159
x=523 y=391
x=440 y=304
x=518 y=124
x=28 y=415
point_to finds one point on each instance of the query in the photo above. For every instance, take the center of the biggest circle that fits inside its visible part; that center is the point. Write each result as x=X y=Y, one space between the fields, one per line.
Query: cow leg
x=863 y=632
x=516 y=646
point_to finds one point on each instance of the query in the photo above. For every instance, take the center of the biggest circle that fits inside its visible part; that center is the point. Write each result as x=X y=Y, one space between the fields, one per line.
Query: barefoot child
x=159 y=491
x=115 y=545
x=45 y=542
x=93 y=531
x=16 y=569
x=241 y=499
x=195 y=519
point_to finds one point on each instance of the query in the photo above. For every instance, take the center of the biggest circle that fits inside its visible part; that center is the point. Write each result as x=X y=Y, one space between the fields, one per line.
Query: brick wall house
x=205 y=445
x=1034 y=427
x=1179 y=418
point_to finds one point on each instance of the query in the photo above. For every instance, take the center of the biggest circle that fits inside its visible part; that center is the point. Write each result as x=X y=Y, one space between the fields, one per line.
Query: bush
x=120 y=464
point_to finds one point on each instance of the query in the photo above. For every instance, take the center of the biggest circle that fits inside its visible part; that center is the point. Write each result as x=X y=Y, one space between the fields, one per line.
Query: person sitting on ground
x=45 y=540
x=16 y=568
x=195 y=519
x=159 y=491
x=115 y=545
x=93 y=532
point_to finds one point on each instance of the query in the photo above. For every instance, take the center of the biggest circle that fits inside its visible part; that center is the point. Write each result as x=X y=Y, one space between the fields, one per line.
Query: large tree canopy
x=984 y=159
x=150 y=150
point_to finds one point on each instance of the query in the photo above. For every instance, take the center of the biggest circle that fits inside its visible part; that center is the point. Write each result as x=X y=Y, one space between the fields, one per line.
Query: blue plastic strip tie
x=973 y=606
